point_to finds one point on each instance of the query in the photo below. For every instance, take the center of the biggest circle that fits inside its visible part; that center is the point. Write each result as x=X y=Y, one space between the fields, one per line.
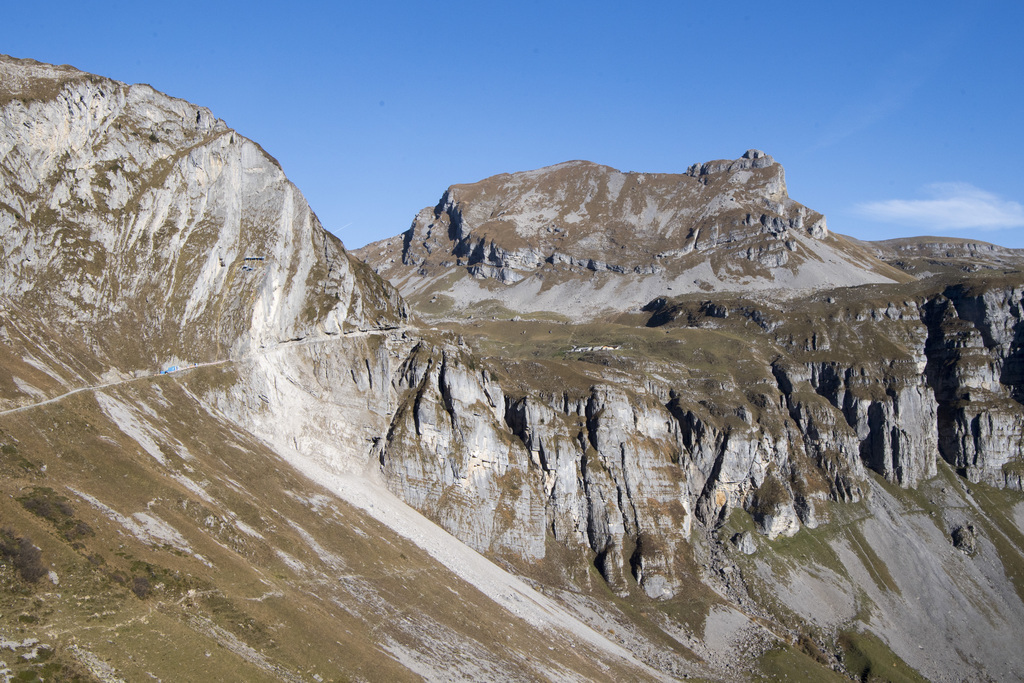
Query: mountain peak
x=752 y=158
x=722 y=225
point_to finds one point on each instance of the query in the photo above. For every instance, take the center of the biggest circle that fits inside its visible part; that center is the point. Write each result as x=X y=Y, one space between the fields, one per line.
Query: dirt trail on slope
x=98 y=387
x=369 y=495
x=276 y=347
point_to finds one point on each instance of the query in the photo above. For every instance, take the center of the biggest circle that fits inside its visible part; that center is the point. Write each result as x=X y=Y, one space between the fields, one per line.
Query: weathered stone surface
x=162 y=234
x=975 y=347
x=447 y=454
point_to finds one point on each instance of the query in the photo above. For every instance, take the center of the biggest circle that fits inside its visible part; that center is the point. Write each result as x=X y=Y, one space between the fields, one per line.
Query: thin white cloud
x=951 y=206
x=864 y=113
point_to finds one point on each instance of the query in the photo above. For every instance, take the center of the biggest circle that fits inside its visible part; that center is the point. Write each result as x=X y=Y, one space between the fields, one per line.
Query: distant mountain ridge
x=922 y=256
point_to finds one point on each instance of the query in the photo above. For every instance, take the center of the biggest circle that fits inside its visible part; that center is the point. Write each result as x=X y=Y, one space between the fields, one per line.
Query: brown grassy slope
x=224 y=551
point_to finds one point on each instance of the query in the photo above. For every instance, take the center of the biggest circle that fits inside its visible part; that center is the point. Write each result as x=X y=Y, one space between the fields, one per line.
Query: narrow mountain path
x=269 y=349
x=369 y=495
x=97 y=387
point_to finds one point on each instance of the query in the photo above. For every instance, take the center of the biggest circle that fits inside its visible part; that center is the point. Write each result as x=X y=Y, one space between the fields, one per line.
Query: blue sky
x=892 y=118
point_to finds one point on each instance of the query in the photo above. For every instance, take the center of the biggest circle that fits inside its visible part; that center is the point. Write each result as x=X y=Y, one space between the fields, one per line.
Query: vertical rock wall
x=621 y=474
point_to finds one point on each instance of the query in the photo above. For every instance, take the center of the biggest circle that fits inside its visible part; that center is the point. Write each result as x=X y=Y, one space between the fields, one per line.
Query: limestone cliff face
x=621 y=471
x=616 y=473
x=891 y=421
x=447 y=455
x=154 y=229
x=599 y=472
x=935 y=376
x=158 y=236
x=976 y=357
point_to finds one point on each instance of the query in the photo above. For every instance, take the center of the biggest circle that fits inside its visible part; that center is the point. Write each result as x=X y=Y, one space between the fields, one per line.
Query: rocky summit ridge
x=720 y=226
x=616 y=426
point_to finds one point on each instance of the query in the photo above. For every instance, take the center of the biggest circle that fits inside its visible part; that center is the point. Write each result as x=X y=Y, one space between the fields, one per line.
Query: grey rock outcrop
x=965 y=539
x=891 y=423
x=498 y=471
x=976 y=347
x=745 y=543
x=446 y=454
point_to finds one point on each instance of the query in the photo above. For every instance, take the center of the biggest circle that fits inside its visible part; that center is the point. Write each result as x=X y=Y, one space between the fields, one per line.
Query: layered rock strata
x=621 y=473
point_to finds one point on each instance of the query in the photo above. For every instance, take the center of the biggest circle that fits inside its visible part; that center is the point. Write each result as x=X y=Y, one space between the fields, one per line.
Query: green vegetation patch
x=1014 y=468
x=811 y=548
x=210 y=379
x=787 y=663
x=867 y=658
x=41 y=88
x=434 y=305
x=877 y=569
x=45 y=663
x=13 y=462
x=695 y=600
x=770 y=495
x=490 y=308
